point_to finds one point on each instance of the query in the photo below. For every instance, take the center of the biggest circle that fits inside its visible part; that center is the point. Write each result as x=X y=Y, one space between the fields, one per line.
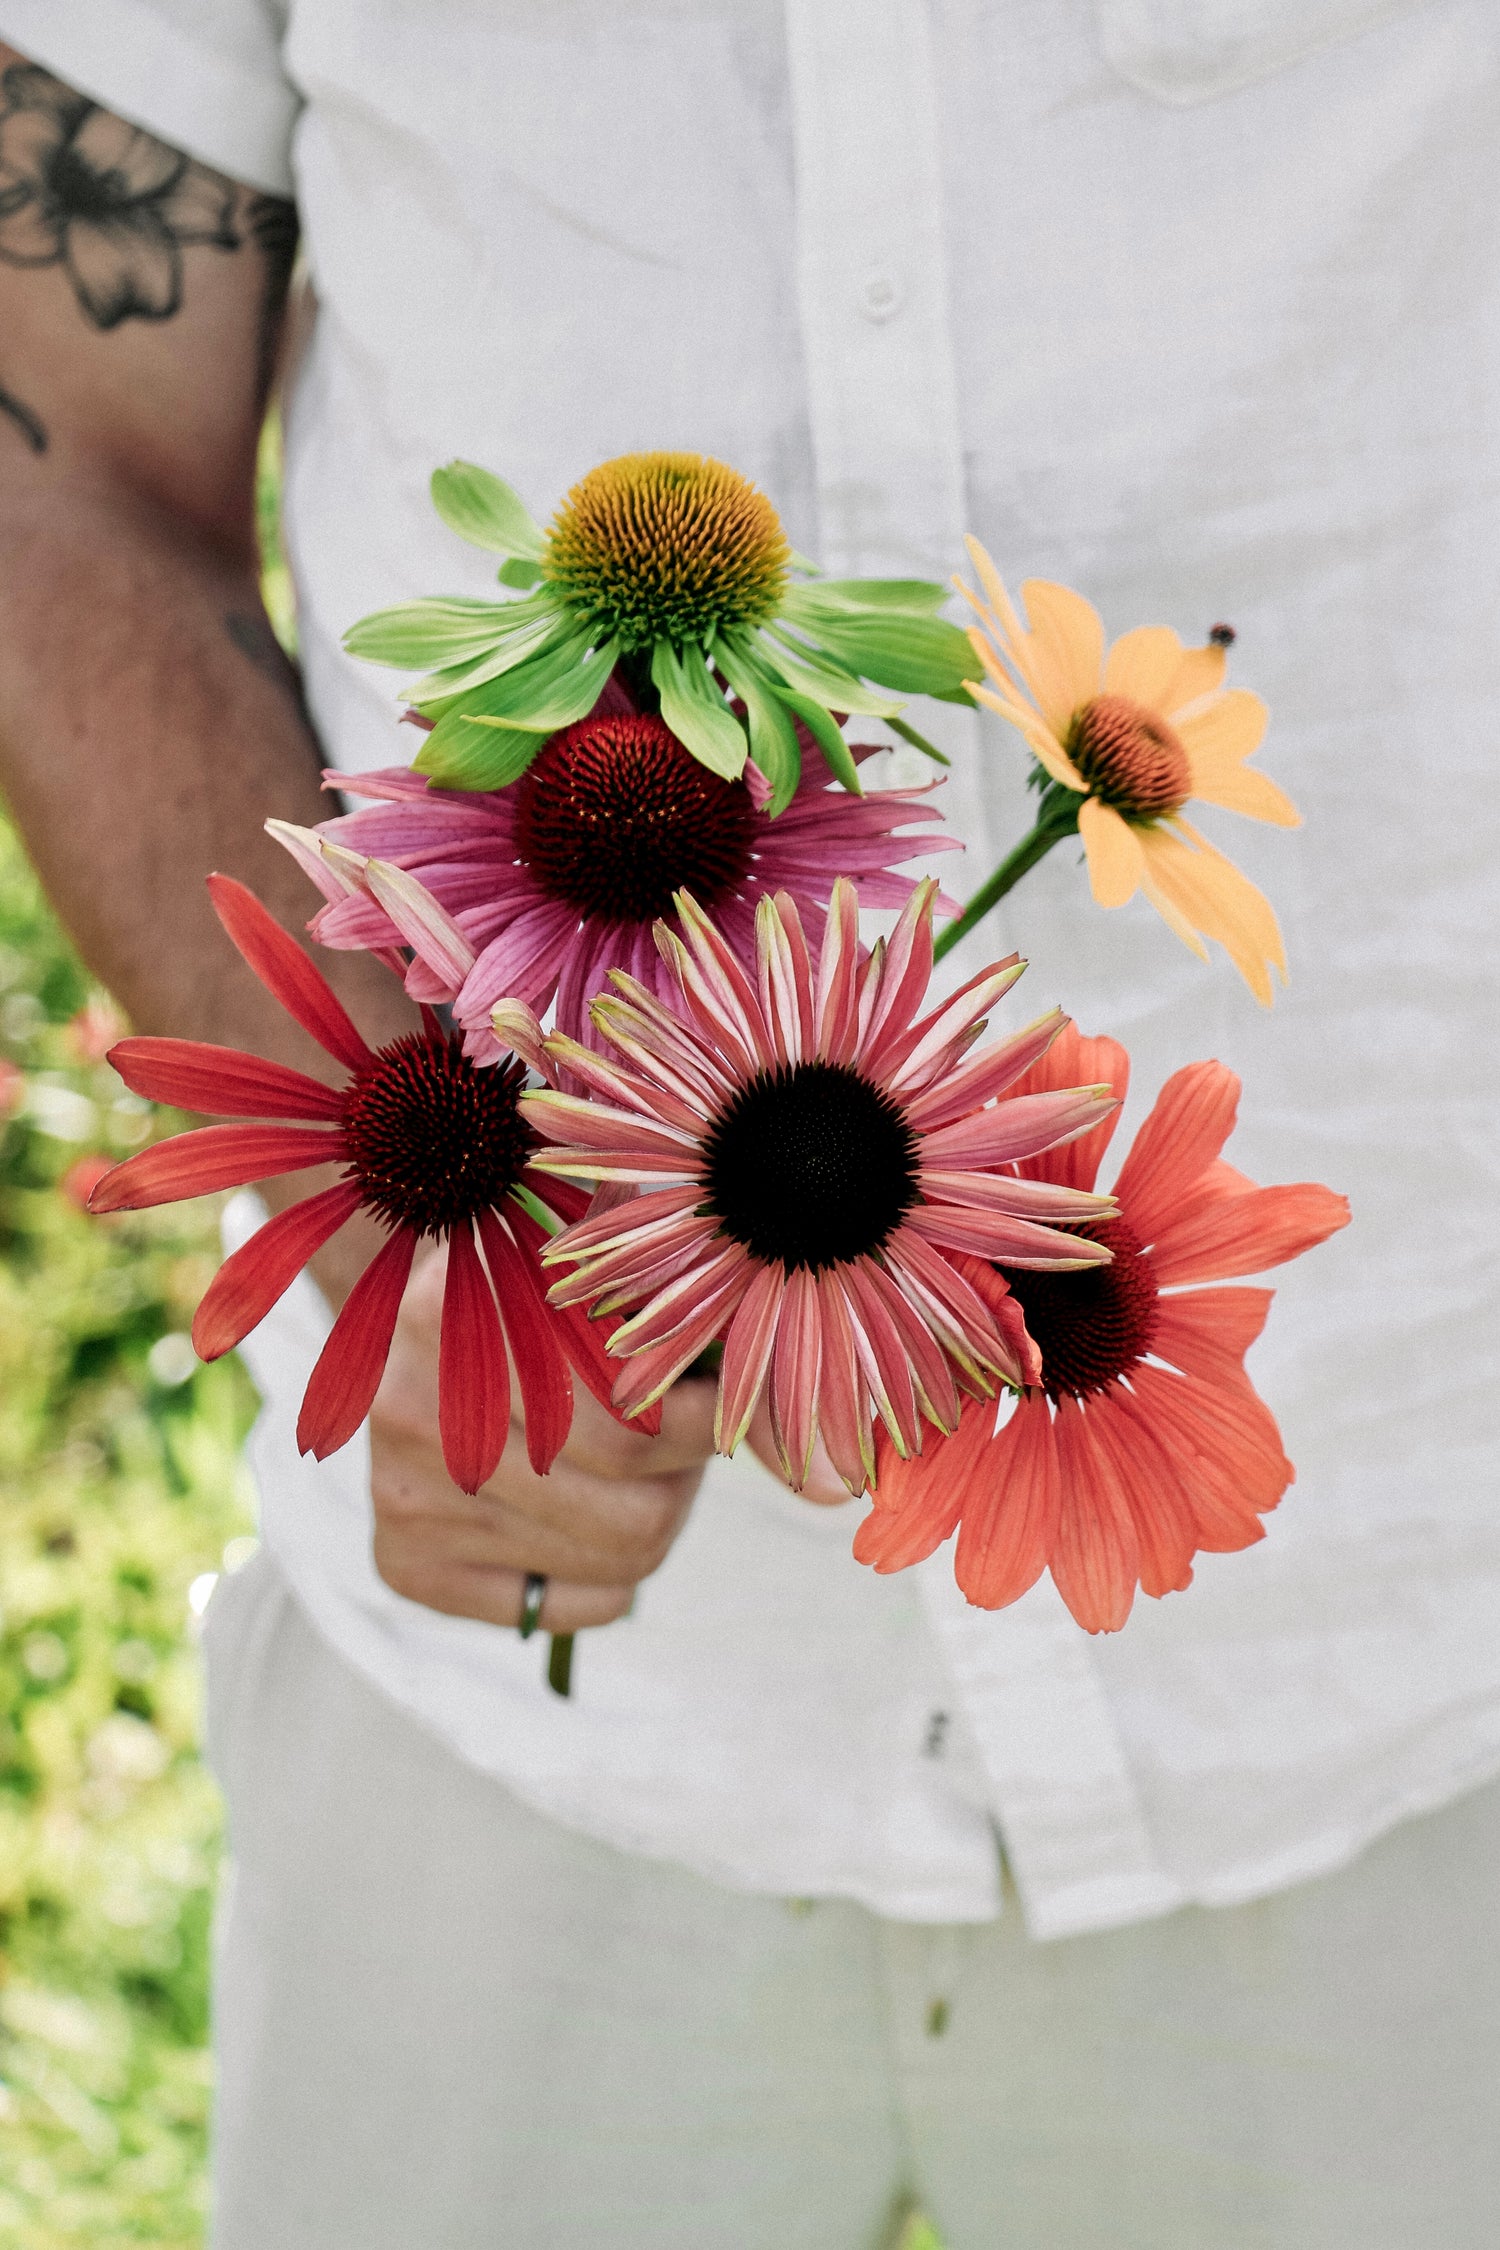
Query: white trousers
x=445 y=2023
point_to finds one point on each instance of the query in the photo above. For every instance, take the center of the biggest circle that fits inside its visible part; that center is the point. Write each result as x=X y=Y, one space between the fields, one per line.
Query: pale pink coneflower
x=811 y=1159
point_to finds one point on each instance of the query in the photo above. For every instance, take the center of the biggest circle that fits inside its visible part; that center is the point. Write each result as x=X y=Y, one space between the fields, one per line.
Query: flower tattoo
x=85 y=190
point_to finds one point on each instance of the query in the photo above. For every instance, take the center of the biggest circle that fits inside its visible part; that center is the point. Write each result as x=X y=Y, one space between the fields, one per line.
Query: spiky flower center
x=666 y=547
x=1130 y=757
x=1091 y=1325
x=431 y=1139
x=614 y=815
x=811 y=1165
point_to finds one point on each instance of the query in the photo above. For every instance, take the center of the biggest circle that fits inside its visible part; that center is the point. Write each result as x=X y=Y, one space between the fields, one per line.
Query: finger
x=602 y=1445
x=824 y=1486
x=495 y=1597
x=571 y=1523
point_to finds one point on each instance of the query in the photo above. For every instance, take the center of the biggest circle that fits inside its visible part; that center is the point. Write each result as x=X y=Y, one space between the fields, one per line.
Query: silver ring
x=531 y=1603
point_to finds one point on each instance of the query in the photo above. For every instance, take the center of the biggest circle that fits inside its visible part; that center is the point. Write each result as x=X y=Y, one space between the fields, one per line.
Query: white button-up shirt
x=1190 y=303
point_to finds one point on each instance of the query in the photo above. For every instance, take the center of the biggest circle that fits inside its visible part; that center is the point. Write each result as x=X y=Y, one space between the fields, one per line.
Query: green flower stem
x=1058 y=818
x=560 y=1664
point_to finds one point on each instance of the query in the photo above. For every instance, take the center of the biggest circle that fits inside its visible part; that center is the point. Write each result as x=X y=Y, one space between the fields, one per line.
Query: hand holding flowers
x=754 y=1135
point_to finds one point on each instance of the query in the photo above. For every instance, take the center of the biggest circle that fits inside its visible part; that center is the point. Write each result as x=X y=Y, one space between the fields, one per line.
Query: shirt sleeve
x=205 y=75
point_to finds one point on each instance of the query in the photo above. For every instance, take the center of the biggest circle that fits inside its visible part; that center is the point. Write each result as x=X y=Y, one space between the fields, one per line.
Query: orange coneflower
x=1127 y=738
x=1143 y=1443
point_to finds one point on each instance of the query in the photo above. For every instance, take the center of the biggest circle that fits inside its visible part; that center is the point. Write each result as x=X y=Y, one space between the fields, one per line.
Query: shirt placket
x=883 y=407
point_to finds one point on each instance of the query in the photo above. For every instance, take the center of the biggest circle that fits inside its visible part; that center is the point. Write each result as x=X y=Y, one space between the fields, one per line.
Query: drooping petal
x=530 y=1327
x=255 y=1276
x=287 y=973
x=882 y=1360
x=1116 y=861
x=211 y=1159
x=843 y=1418
x=1209 y=893
x=1007 y=1241
x=1223 y=732
x=747 y=1355
x=428 y=928
x=1096 y=1555
x=220 y=1081
x=1011 y=1504
x=584 y=1342
x=342 y=1387
x=1242 y=789
x=795 y=1370
x=985 y=1076
x=917 y=1501
x=1166 y=1526
x=473 y=1374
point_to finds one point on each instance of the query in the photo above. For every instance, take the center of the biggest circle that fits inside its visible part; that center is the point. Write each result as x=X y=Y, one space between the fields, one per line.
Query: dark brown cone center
x=1130 y=757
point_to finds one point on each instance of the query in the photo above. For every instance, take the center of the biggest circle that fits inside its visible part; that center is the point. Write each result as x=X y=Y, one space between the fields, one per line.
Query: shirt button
x=880 y=295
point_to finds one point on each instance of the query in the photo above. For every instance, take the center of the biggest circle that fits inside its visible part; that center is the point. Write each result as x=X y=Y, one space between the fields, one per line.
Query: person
x=1190 y=306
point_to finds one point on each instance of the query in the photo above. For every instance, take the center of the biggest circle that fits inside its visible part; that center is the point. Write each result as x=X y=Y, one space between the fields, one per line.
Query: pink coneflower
x=560 y=878
x=1143 y=1443
x=432 y=1146
x=810 y=1154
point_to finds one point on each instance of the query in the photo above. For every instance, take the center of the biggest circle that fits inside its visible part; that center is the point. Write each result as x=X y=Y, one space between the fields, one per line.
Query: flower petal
x=1211 y=894
x=1230 y=728
x=1096 y=1555
x=213 y=1158
x=1241 y=789
x=1247 y=1233
x=531 y=1328
x=287 y=973
x=1143 y=665
x=220 y=1081
x=1072 y=1060
x=473 y=1375
x=1020 y=1126
x=796 y=1367
x=1116 y=861
x=747 y=1355
x=252 y=1278
x=1207 y=1332
x=342 y=1386
x=1166 y=1526
x=428 y=928
x=1063 y=654
x=843 y=1417
x=1191 y=1119
x=1011 y=1504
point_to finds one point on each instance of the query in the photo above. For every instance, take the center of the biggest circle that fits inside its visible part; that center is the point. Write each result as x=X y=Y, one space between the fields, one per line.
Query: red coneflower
x=429 y=1144
x=811 y=1155
x=1143 y=1442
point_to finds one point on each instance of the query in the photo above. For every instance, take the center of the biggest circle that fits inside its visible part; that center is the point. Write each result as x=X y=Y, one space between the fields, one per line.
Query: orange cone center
x=1130 y=757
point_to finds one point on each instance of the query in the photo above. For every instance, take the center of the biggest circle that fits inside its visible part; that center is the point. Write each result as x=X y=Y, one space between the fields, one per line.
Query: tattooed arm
x=148 y=722
x=148 y=725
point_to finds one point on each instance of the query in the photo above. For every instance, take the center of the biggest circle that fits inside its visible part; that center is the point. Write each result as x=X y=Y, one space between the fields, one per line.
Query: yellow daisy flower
x=1133 y=734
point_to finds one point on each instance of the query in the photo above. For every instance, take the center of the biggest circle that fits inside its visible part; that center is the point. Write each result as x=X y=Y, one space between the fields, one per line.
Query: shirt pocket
x=1185 y=51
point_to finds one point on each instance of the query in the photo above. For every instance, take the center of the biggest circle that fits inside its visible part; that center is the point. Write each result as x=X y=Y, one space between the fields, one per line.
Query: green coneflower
x=676 y=566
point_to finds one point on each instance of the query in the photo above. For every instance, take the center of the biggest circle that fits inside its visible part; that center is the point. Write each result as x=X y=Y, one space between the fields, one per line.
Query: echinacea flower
x=1126 y=739
x=809 y=1154
x=428 y=1144
x=1143 y=1443
x=562 y=877
x=675 y=567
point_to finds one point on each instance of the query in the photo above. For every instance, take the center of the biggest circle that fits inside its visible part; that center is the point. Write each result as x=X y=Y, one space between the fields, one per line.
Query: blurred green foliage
x=119 y=1488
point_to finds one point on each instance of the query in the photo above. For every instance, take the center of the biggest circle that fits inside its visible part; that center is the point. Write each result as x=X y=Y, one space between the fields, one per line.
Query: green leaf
x=482 y=508
x=913 y=597
x=773 y=737
x=810 y=672
x=519 y=572
x=919 y=655
x=429 y=631
x=818 y=721
x=696 y=712
x=919 y=742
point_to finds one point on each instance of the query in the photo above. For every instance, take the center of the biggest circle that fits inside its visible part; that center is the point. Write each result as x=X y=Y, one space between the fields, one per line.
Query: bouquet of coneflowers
x=668 y=1107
